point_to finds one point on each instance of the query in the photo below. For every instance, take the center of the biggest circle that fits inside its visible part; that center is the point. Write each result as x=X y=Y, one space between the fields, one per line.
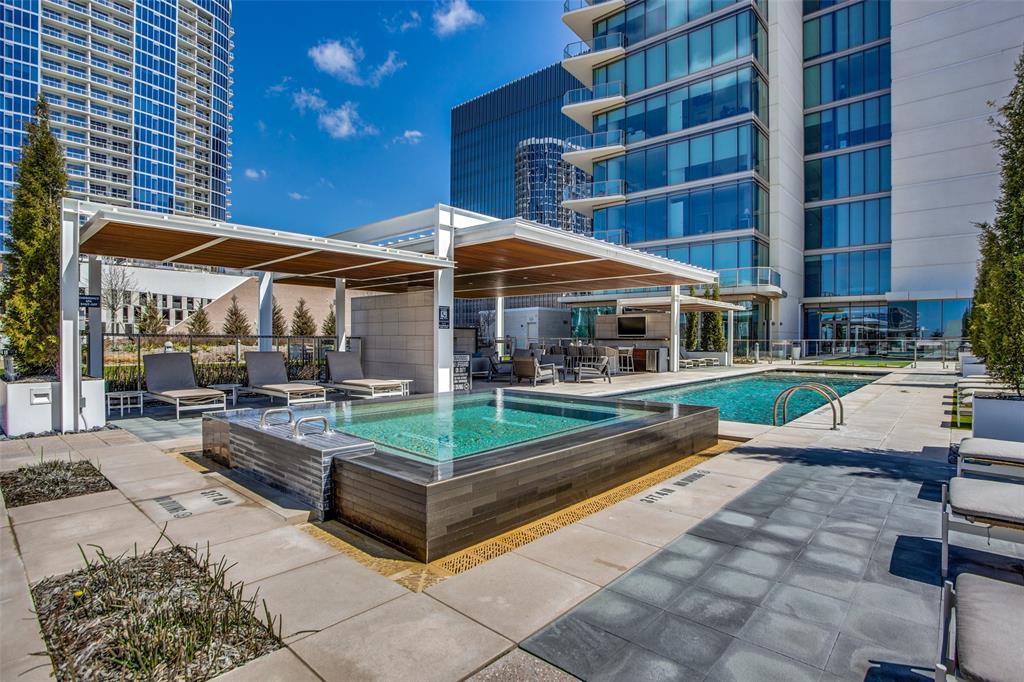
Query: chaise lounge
x=346 y=374
x=991 y=457
x=982 y=621
x=171 y=378
x=268 y=376
x=991 y=509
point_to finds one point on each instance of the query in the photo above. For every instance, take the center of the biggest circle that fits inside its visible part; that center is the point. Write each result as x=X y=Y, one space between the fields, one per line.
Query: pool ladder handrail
x=825 y=391
x=276 y=410
x=297 y=434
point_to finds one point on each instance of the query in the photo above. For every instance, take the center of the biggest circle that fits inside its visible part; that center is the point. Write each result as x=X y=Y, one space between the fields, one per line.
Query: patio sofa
x=346 y=374
x=990 y=509
x=991 y=457
x=980 y=639
x=171 y=378
x=268 y=376
x=530 y=369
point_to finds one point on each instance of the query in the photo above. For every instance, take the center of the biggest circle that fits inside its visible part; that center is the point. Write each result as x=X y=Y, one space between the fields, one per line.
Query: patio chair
x=346 y=374
x=991 y=457
x=531 y=369
x=593 y=369
x=498 y=369
x=171 y=378
x=990 y=509
x=268 y=376
x=558 y=361
x=480 y=367
x=980 y=630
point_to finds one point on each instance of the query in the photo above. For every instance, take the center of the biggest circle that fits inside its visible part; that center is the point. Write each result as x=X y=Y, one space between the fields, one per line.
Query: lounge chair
x=171 y=378
x=991 y=457
x=499 y=370
x=982 y=621
x=593 y=369
x=267 y=376
x=531 y=369
x=991 y=509
x=346 y=374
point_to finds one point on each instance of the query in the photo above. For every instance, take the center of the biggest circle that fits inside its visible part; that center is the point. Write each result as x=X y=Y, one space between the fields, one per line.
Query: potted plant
x=997 y=317
x=30 y=292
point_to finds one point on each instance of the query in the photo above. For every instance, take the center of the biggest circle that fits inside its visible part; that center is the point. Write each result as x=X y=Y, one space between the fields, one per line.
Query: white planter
x=94 y=404
x=997 y=418
x=35 y=407
x=695 y=354
x=971 y=369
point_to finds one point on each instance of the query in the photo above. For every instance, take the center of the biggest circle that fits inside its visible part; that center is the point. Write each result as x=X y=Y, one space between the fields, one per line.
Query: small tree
x=329 y=327
x=150 y=321
x=692 y=327
x=997 y=320
x=278 y=323
x=303 y=323
x=711 y=336
x=118 y=285
x=199 y=322
x=236 y=322
x=30 y=290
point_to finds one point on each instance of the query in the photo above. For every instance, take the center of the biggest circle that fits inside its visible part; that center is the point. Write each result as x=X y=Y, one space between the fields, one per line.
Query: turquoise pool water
x=749 y=399
x=442 y=428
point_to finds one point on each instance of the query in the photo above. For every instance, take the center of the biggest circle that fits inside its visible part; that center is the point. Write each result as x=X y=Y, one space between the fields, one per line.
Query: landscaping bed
x=160 y=616
x=51 y=480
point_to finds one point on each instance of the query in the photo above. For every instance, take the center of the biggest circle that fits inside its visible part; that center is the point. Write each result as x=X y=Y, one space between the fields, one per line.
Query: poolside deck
x=805 y=553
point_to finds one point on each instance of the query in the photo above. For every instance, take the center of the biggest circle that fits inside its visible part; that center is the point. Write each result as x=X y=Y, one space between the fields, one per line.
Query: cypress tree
x=303 y=323
x=329 y=327
x=711 y=337
x=236 y=322
x=199 y=322
x=30 y=293
x=278 y=323
x=692 y=327
x=150 y=321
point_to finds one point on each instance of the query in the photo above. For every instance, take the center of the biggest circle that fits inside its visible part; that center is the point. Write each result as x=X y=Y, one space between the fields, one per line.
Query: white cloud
x=400 y=23
x=280 y=88
x=254 y=174
x=409 y=137
x=324 y=182
x=391 y=65
x=308 y=100
x=339 y=60
x=452 y=16
x=261 y=126
x=296 y=196
x=344 y=122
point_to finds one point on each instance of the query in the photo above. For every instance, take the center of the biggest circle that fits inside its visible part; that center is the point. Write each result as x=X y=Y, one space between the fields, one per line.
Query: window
x=635 y=73
x=847 y=76
x=700 y=49
x=655 y=65
x=843 y=175
x=724 y=40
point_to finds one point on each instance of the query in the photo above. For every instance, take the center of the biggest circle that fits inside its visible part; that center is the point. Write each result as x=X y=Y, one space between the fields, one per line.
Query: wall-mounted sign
x=462 y=379
x=444 y=317
x=88 y=301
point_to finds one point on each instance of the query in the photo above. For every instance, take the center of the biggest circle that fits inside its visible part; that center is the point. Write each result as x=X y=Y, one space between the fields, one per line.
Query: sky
x=342 y=109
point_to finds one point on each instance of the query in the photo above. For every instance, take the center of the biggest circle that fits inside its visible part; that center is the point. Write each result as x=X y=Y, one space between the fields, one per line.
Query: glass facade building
x=140 y=95
x=543 y=179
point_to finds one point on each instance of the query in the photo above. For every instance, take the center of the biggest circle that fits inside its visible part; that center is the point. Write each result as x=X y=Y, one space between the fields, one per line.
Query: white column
x=95 y=288
x=265 y=299
x=69 y=373
x=673 y=344
x=340 y=312
x=444 y=297
x=728 y=339
x=499 y=322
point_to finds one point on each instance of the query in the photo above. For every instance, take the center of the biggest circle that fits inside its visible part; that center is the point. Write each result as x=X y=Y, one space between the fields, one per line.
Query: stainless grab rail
x=785 y=394
x=296 y=433
x=276 y=410
x=835 y=396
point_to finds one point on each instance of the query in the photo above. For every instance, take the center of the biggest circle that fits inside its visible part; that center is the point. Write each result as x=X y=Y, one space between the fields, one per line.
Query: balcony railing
x=749 y=277
x=594 y=190
x=609 y=138
x=573 y=5
x=599 y=91
x=609 y=41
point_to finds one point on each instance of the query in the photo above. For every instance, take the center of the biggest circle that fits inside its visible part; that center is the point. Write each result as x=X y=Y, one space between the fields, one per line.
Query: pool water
x=750 y=399
x=442 y=428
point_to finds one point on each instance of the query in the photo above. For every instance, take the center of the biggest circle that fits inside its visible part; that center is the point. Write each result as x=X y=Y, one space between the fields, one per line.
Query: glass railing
x=599 y=91
x=579 y=48
x=573 y=5
x=749 y=277
x=608 y=138
x=594 y=190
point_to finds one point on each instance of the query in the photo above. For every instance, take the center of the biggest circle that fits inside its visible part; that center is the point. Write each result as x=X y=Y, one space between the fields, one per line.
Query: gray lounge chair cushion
x=291 y=388
x=168 y=372
x=192 y=395
x=980 y=499
x=1009 y=451
x=344 y=366
x=265 y=367
x=989 y=623
x=372 y=383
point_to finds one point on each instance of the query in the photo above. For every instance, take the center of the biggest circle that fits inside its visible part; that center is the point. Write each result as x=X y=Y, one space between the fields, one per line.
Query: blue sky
x=343 y=109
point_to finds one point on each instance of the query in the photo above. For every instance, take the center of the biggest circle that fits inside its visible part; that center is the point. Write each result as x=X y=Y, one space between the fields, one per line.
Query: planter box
x=971 y=369
x=35 y=407
x=695 y=354
x=998 y=418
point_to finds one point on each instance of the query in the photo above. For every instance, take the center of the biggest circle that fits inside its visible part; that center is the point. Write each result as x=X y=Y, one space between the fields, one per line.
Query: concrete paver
x=587 y=553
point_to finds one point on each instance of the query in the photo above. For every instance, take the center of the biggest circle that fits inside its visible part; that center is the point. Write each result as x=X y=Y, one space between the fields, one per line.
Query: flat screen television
x=632 y=326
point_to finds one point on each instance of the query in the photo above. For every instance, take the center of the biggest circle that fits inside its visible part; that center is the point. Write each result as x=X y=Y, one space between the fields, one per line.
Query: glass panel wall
x=930 y=319
x=847 y=273
x=853 y=224
x=848 y=125
x=858 y=24
x=848 y=76
x=845 y=175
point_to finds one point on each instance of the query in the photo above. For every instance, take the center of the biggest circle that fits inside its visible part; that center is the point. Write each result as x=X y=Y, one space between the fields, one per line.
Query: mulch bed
x=160 y=616
x=51 y=480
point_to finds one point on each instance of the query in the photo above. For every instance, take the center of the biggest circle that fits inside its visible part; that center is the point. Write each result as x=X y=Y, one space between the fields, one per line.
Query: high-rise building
x=543 y=179
x=828 y=158
x=140 y=97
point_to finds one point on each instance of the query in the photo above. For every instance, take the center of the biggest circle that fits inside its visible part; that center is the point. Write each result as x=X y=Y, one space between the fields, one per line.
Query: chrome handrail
x=309 y=420
x=276 y=410
x=785 y=394
x=835 y=396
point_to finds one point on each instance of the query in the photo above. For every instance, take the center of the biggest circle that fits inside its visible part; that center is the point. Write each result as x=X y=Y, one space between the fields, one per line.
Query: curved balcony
x=584 y=150
x=580 y=15
x=584 y=198
x=764 y=281
x=581 y=57
x=582 y=103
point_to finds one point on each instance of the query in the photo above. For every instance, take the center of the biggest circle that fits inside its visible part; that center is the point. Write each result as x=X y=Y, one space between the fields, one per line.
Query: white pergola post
x=339 y=312
x=729 y=339
x=499 y=322
x=69 y=373
x=95 y=315
x=444 y=299
x=673 y=345
x=265 y=298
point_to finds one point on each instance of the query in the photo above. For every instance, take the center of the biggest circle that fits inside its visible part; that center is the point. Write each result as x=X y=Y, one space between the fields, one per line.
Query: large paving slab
x=587 y=553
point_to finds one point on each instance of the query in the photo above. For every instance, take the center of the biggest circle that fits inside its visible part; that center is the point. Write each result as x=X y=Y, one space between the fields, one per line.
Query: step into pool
x=749 y=399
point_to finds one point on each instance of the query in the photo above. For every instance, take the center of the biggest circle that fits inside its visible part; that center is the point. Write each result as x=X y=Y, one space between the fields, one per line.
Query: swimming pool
x=749 y=399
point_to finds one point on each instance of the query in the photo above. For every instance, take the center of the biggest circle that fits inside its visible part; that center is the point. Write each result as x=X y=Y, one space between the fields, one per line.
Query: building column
x=265 y=301
x=499 y=321
x=339 y=312
x=68 y=371
x=729 y=339
x=673 y=344
x=95 y=288
x=444 y=297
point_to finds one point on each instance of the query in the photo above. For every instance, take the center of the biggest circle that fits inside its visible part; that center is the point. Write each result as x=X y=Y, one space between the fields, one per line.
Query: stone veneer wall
x=397 y=333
